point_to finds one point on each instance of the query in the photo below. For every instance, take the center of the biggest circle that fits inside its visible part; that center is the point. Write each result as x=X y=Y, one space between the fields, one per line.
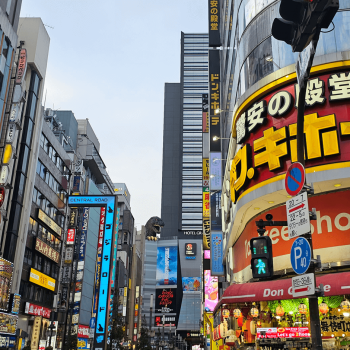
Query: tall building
x=259 y=101
x=182 y=139
x=178 y=277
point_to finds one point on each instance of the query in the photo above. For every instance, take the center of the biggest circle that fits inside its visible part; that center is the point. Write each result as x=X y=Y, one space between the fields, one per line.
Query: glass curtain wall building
x=194 y=83
x=251 y=54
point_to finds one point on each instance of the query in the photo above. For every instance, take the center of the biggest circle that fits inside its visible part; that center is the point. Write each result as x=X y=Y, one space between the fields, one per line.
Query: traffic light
x=302 y=21
x=262 y=259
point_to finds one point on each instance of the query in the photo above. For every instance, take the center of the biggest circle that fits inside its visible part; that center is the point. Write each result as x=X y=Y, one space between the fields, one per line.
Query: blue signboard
x=91 y=201
x=105 y=267
x=300 y=255
x=166 y=266
x=216 y=253
x=103 y=298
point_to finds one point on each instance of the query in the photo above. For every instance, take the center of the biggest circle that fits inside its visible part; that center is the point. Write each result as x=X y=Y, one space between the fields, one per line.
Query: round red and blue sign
x=295 y=179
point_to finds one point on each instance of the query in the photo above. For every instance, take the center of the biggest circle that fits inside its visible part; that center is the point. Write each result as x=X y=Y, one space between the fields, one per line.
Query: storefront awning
x=334 y=284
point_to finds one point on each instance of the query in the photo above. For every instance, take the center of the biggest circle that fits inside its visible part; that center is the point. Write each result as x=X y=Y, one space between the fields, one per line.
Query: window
x=29 y=131
x=35 y=195
x=38 y=262
x=47 y=267
x=32 y=227
x=5 y=47
x=55 y=272
x=28 y=257
x=37 y=294
x=42 y=140
x=125 y=240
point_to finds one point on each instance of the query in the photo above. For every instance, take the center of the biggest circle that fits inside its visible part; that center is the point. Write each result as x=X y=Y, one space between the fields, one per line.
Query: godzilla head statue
x=153 y=226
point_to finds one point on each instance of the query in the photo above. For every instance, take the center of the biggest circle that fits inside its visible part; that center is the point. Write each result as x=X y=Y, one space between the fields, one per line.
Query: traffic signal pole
x=315 y=324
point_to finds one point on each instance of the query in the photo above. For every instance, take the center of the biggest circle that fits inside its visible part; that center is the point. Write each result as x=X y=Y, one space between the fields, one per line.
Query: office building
x=182 y=139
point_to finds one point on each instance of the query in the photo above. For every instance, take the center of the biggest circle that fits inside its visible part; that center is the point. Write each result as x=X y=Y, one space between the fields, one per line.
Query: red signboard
x=71 y=236
x=22 y=66
x=331 y=229
x=266 y=129
x=287 y=332
x=334 y=284
x=36 y=310
x=83 y=331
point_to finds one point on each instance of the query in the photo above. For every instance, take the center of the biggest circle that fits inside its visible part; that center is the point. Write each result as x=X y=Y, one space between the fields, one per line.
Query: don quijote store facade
x=262 y=147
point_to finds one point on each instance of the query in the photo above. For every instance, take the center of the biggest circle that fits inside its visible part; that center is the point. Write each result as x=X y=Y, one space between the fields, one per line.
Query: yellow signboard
x=47 y=221
x=42 y=279
x=205 y=168
x=36 y=333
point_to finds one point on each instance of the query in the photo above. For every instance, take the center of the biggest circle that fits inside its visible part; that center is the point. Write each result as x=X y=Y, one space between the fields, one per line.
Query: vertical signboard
x=99 y=258
x=216 y=254
x=215 y=211
x=215 y=171
x=211 y=291
x=214 y=100
x=114 y=263
x=205 y=114
x=206 y=233
x=102 y=315
x=214 y=23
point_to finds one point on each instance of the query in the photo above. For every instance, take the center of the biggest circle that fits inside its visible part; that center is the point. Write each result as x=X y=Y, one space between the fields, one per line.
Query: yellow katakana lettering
x=273 y=152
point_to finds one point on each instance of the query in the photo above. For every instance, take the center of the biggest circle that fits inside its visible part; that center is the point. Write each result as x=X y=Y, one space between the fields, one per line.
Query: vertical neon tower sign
x=109 y=202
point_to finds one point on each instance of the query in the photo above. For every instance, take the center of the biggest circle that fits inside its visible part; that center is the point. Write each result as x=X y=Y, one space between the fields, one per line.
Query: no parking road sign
x=295 y=179
x=300 y=255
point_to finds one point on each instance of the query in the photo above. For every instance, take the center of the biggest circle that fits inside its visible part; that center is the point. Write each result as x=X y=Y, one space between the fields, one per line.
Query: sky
x=108 y=62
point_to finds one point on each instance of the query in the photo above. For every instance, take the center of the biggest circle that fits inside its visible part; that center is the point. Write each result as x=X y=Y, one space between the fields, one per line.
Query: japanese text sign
x=216 y=253
x=214 y=23
x=46 y=250
x=214 y=100
x=266 y=129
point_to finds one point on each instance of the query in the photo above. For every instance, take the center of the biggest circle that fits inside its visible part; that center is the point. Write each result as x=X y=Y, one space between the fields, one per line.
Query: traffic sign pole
x=315 y=325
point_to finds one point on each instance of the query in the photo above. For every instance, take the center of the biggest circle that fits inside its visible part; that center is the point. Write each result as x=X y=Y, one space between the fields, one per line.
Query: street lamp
x=270 y=59
x=215 y=138
x=215 y=159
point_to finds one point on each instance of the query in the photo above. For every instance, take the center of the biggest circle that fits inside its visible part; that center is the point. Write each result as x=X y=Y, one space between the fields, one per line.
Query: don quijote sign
x=266 y=130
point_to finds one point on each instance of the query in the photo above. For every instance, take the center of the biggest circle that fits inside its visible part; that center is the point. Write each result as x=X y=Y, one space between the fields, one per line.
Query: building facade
x=259 y=99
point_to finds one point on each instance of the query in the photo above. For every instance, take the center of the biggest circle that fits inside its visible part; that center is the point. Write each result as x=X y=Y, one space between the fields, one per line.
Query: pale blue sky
x=108 y=61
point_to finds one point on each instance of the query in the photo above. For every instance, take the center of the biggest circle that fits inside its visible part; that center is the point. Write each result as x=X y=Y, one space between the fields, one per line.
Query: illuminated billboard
x=166 y=266
x=109 y=202
x=165 y=300
x=191 y=284
x=210 y=290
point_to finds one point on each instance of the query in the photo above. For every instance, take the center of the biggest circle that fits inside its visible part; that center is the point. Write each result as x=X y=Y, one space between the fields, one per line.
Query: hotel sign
x=42 y=280
x=49 y=222
x=46 y=250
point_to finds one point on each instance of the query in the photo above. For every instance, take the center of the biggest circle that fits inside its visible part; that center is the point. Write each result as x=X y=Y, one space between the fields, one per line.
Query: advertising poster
x=83 y=343
x=215 y=211
x=6 y=270
x=165 y=300
x=166 y=266
x=211 y=295
x=8 y=323
x=215 y=171
x=206 y=201
x=216 y=253
x=191 y=284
